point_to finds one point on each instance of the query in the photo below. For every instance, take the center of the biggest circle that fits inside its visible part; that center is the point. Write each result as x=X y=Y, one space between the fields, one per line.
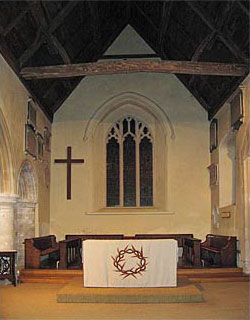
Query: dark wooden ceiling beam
x=131 y=66
x=84 y=53
x=202 y=46
x=30 y=51
x=60 y=49
x=128 y=10
x=212 y=112
x=199 y=50
x=146 y=17
x=166 y=11
x=228 y=42
x=243 y=8
x=129 y=56
x=37 y=10
x=14 y=22
x=93 y=7
x=208 y=41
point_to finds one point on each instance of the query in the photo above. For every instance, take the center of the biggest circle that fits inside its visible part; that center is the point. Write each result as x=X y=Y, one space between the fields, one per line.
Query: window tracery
x=129 y=164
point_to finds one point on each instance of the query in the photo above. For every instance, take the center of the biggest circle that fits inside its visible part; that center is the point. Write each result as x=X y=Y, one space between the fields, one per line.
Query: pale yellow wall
x=230 y=225
x=183 y=195
x=13 y=104
x=188 y=187
x=234 y=218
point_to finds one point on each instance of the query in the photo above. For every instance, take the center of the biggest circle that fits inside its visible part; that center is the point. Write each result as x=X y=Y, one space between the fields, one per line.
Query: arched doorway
x=26 y=215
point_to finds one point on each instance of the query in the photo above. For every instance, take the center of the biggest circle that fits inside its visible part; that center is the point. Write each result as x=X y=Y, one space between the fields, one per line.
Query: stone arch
x=154 y=117
x=7 y=172
x=139 y=101
x=27 y=182
x=26 y=221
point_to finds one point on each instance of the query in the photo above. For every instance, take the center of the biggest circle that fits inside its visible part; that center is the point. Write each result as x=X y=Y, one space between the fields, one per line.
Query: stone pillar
x=24 y=225
x=246 y=261
x=7 y=233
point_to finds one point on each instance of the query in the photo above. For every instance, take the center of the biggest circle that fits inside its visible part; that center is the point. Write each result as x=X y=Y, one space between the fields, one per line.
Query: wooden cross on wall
x=69 y=161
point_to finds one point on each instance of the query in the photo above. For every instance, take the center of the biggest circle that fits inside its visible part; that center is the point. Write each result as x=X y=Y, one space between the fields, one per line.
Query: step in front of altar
x=74 y=292
x=197 y=275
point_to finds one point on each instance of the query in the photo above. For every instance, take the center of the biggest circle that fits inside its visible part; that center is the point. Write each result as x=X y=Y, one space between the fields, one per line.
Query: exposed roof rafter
x=30 y=51
x=14 y=22
x=166 y=11
x=243 y=8
x=228 y=42
x=40 y=33
x=37 y=10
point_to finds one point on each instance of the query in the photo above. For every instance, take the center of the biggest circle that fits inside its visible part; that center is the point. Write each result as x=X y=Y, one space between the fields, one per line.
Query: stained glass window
x=113 y=177
x=129 y=172
x=129 y=158
x=146 y=171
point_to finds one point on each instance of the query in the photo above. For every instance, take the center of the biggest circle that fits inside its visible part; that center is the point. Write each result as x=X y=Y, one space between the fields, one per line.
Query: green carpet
x=74 y=292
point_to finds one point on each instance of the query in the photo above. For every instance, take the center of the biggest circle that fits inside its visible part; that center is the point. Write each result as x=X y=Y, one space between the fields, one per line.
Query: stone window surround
x=120 y=106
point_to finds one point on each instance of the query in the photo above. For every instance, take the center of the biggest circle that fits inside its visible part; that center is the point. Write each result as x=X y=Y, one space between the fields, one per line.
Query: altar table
x=130 y=263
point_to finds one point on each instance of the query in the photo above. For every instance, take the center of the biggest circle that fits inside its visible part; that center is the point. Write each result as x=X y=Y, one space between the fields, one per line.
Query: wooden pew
x=192 y=251
x=219 y=251
x=177 y=236
x=94 y=236
x=71 y=248
x=70 y=253
x=190 y=245
x=37 y=248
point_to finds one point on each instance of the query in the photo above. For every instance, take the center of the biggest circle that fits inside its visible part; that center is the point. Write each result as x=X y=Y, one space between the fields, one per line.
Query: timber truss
x=52 y=45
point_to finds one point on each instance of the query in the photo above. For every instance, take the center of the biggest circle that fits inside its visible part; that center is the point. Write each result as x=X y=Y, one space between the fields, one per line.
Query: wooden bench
x=94 y=236
x=219 y=251
x=192 y=251
x=71 y=248
x=177 y=236
x=41 y=252
x=70 y=254
x=190 y=245
x=189 y=248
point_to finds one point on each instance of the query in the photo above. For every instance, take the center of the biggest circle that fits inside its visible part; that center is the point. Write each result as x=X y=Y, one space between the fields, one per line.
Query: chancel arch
x=27 y=212
x=154 y=119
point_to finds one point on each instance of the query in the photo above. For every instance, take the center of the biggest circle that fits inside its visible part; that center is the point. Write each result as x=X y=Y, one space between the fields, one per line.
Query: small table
x=8 y=265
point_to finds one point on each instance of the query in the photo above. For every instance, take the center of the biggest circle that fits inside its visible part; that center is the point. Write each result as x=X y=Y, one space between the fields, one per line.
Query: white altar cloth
x=130 y=263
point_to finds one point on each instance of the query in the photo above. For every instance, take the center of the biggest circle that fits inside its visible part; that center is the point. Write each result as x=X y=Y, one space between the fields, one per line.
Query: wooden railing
x=191 y=251
x=70 y=254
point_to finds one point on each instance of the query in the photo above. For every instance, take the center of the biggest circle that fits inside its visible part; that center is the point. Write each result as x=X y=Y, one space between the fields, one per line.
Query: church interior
x=124 y=121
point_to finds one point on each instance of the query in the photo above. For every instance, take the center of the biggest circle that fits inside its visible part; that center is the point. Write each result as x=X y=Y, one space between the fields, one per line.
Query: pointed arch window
x=129 y=164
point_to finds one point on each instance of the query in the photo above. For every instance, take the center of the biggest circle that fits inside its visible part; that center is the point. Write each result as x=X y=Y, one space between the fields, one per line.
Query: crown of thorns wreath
x=119 y=262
